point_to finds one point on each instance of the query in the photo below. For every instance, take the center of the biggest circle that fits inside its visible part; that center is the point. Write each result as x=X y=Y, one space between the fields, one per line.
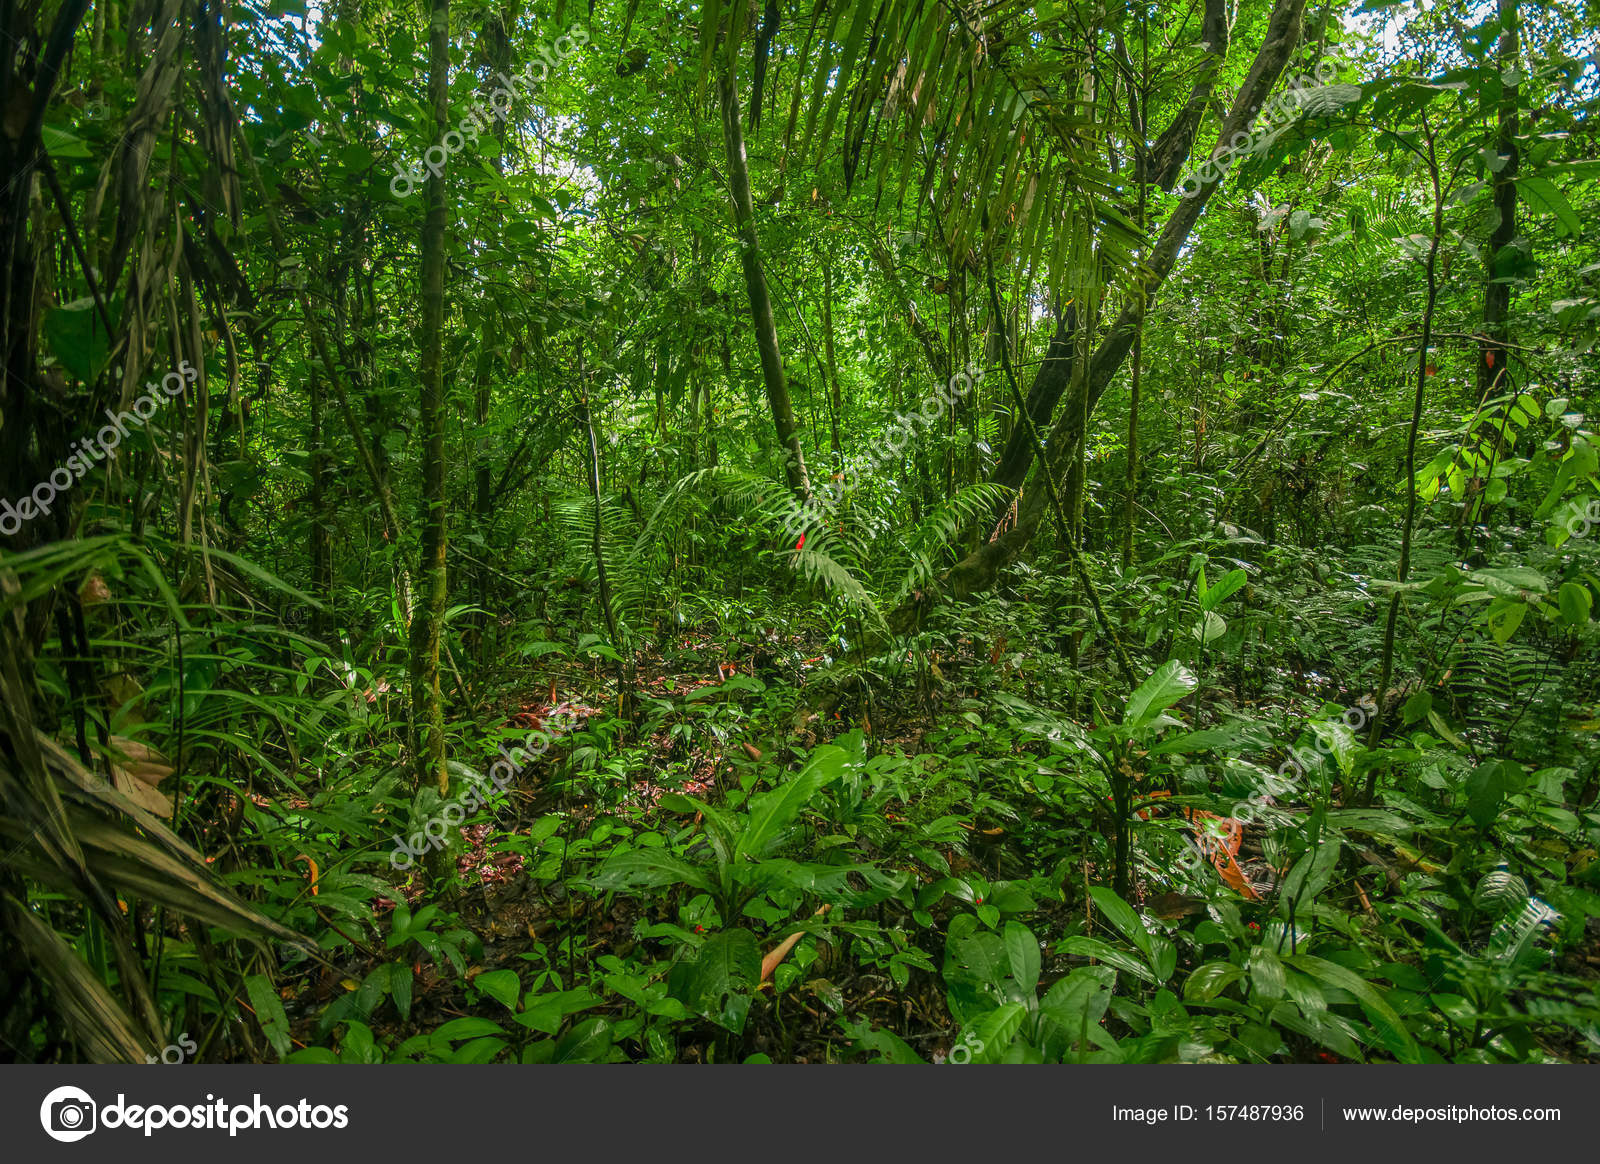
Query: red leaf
x=801 y=542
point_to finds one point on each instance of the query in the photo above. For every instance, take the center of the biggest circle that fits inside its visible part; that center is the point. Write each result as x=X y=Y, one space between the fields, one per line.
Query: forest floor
x=520 y=918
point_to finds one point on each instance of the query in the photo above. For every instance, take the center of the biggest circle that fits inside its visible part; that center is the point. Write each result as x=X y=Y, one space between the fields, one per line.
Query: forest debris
x=1362 y=894
x=1217 y=843
x=94 y=591
x=136 y=770
x=781 y=950
x=1175 y=905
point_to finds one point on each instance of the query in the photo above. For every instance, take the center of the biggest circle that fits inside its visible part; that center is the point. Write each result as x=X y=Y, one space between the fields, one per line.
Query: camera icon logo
x=68 y=1114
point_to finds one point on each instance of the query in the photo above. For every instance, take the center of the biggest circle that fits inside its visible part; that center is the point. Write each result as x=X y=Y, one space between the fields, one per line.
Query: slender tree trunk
x=483 y=488
x=427 y=707
x=1386 y=665
x=835 y=403
x=1139 y=106
x=1497 y=293
x=496 y=41
x=321 y=519
x=603 y=576
x=755 y=281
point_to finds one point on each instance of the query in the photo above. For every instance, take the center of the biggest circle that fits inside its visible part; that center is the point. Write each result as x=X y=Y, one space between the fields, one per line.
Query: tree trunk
x=321 y=519
x=835 y=403
x=1497 y=293
x=981 y=569
x=427 y=708
x=1403 y=571
x=755 y=281
x=1139 y=113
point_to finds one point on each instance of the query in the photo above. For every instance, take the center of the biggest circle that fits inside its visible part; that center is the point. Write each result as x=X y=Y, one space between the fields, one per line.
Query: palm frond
x=984 y=107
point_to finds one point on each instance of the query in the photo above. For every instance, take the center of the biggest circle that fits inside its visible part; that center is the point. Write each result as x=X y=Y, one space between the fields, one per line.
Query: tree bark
x=427 y=707
x=1497 y=294
x=755 y=281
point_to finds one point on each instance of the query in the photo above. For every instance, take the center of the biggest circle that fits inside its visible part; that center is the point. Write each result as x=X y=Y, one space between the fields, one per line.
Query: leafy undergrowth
x=947 y=869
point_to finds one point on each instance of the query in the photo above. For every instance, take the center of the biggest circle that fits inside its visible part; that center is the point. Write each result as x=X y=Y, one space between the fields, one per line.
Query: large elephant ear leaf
x=719 y=983
x=775 y=811
x=1169 y=683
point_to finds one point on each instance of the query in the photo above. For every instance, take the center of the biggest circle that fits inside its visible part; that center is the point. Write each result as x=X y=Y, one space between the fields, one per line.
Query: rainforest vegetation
x=945 y=531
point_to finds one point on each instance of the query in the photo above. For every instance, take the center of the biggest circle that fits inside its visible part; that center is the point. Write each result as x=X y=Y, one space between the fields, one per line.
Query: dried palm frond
x=67 y=829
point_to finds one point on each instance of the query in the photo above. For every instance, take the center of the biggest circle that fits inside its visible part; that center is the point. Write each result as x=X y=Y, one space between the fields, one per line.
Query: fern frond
x=934 y=533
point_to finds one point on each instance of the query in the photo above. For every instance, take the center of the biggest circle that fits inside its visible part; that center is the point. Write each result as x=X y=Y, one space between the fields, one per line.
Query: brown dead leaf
x=124 y=694
x=136 y=770
x=94 y=591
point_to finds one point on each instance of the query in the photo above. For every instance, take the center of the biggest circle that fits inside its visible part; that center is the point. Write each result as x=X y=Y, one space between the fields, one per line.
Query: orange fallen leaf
x=313 y=865
x=781 y=950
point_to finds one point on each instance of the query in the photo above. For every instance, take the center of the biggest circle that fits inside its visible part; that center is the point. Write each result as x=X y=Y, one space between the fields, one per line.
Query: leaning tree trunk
x=427 y=708
x=755 y=282
x=981 y=569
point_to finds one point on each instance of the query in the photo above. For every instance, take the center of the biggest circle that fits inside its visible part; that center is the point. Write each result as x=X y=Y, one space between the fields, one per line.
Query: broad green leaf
x=649 y=868
x=1169 y=683
x=77 y=338
x=546 y=1012
x=718 y=984
x=886 y=1046
x=1123 y=916
x=1209 y=980
x=996 y=1030
x=774 y=811
x=269 y=1012
x=588 y=1042
x=1219 y=593
x=1022 y=951
x=1266 y=974
x=1576 y=603
x=1543 y=195
x=1348 y=980
x=501 y=985
x=1110 y=955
